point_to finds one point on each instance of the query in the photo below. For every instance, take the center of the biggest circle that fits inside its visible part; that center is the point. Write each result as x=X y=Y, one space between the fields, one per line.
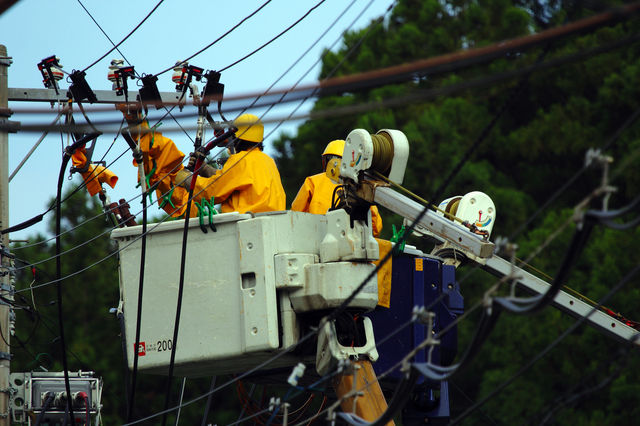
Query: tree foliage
x=535 y=148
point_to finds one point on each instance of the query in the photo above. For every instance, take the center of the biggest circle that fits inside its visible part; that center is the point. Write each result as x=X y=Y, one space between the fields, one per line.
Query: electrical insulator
x=179 y=74
x=57 y=72
x=51 y=70
x=112 y=76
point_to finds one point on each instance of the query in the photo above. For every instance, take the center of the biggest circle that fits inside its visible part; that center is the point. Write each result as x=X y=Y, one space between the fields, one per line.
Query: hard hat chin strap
x=243 y=145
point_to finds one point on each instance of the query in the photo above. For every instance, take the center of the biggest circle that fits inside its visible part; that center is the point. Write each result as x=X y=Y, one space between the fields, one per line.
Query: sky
x=33 y=30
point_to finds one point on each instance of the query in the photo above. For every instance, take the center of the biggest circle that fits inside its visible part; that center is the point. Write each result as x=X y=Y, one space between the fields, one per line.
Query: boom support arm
x=565 y=302
x=441 y=227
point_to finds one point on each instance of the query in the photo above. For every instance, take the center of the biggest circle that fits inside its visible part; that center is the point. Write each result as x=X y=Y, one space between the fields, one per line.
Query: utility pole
x=5 y=283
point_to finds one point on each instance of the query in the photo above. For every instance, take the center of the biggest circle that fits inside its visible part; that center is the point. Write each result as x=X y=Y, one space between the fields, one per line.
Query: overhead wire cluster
x=487 y=323
x=58 y=280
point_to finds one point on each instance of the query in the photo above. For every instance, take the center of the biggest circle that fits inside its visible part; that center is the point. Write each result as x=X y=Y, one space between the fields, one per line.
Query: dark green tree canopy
x=537 y=145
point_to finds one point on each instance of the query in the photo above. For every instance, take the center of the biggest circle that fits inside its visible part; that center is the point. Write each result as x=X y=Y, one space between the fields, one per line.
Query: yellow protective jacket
x=315 y=197
x=162 y=160
x=249 y=181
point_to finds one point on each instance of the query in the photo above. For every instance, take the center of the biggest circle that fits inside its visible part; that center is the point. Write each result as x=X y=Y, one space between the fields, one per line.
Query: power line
x=371 y=27
x=124 y=39
x=219 y=38
x=306 y=92
x=629 y=121
x=305 y=53
x=571 y=395
x=473 y=403
x=611 y=140
x=103 y=32
x=553 y=344
x=275 y=38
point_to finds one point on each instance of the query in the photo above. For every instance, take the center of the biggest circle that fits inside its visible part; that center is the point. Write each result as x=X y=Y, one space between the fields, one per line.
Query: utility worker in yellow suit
x=249 y=180
x=316 y=193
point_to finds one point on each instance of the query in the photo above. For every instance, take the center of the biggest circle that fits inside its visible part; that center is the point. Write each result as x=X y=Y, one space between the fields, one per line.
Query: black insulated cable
x=578 y=242
x=612 y=214
x=208 y=406
x=49 y=396
x=548 y=348
x=218 y=39
x=137 y=154
x=65 y=160
x=127 y=373
x=183 y=260
x=24 y=225
x=399 y=400
x=486 y=325
x=535 y=304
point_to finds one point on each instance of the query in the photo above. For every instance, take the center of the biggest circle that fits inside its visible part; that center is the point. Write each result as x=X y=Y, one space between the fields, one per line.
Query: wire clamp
x=595 y=156
x=206 y=208
x=121 y=74
x=330 y=353
x=51 y=72
x=430 y=341
x=399 y=239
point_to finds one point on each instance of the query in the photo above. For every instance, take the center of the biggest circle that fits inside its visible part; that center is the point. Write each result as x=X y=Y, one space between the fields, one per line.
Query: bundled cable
x=553 y=344
x=589 y=219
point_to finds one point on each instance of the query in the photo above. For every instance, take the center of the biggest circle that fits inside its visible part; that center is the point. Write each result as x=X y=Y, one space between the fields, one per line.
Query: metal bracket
x=442 y=228
x=330 y=352
x=5 y=355
x=565 y=302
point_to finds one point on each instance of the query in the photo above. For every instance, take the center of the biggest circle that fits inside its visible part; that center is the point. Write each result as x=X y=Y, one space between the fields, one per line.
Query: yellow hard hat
x=334 y=148
x=250 y=128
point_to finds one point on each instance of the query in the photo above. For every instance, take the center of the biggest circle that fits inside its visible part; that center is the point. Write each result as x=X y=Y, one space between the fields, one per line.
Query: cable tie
x=296 y=374
x=420 y=314
x=273 y=403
